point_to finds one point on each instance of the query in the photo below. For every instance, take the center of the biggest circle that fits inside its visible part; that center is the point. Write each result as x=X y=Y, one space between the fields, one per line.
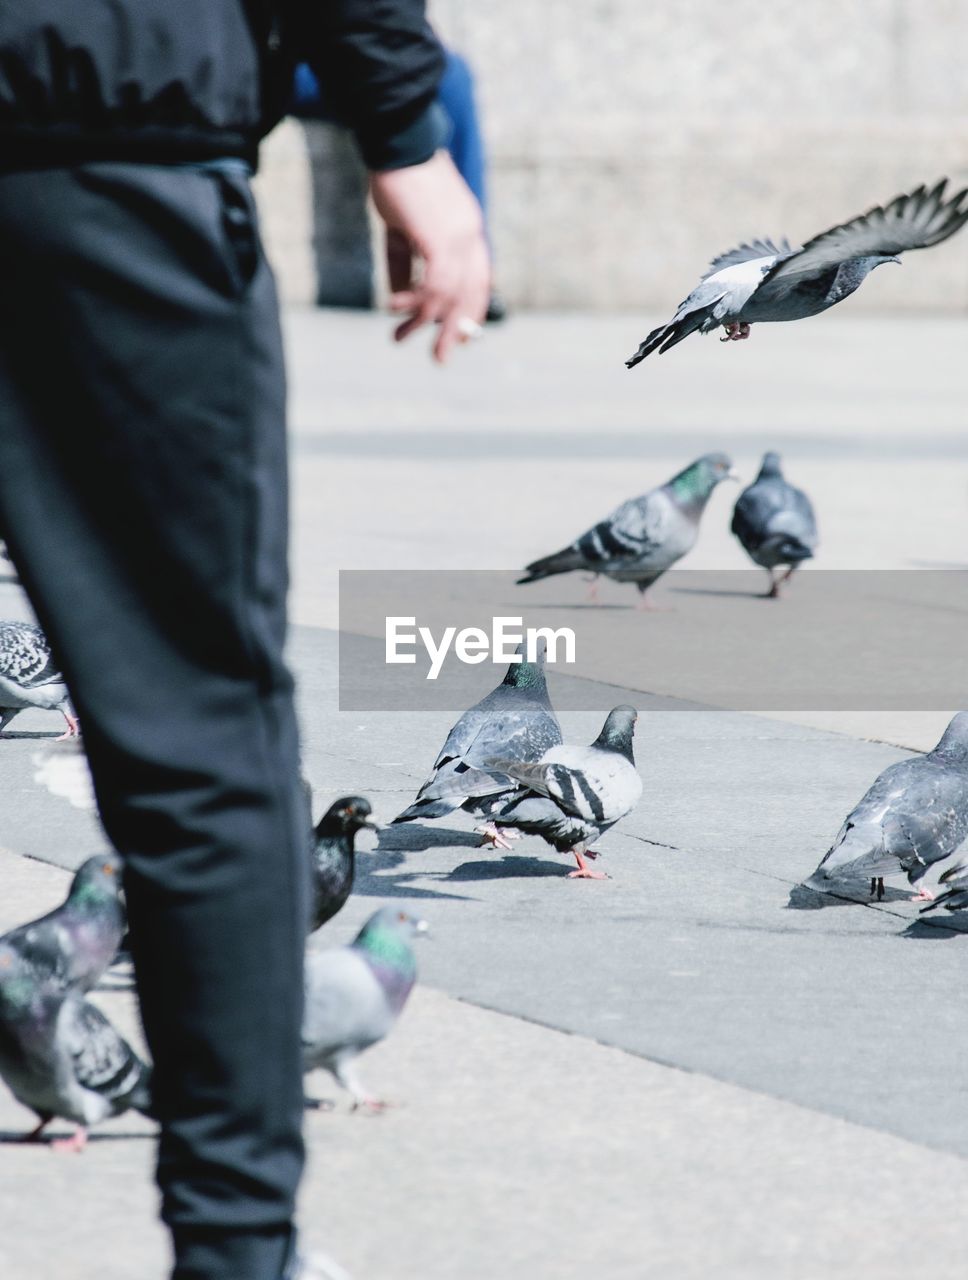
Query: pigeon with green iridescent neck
x=572 y=795
x=645 y=536
x=71 y=947
x=762 y=281
x=334 y=855
x=61 y=1057
x=355 y=994
x=914 y=815
x=515 y=721
x=775 y=523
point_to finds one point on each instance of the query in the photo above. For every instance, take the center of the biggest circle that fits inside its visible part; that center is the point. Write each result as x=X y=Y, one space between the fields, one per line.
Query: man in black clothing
x=143 y=498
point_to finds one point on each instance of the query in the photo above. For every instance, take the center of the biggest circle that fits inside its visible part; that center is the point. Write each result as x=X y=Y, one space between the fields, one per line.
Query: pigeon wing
x=748 y=253
x=103 y=1061
x=915 y=221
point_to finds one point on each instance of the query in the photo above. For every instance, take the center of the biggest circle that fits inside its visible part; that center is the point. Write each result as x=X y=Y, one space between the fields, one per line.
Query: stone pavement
x=690 y=1069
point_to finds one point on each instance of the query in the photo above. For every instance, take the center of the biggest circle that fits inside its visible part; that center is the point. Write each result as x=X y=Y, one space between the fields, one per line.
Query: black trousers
x=143 y=498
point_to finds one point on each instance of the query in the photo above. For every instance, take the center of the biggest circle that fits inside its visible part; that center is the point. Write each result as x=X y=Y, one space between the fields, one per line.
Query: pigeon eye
x=108 y=869
x=402 y=915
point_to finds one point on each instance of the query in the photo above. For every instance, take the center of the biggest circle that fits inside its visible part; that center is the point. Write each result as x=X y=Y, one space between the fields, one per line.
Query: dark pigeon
x=955 y=881
x=775 y=523
x=764 y=282
x=355 y=994
x=645 y=536
x=915 y=815
x=334 y=855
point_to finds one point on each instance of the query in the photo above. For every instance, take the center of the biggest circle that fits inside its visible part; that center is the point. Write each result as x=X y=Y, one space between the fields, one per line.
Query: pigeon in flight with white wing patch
x=762 y=281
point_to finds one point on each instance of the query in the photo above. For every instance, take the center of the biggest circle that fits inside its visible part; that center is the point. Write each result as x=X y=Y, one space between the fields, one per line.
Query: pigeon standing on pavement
x=514 y=721
x=763 y=281
x=645 y=536
x=60 y=1056
x=71 y=947
x=28 y=676
x=572 y=794
x=334 y=855
x=915 y=814
x=355 y=994
x=775 y=523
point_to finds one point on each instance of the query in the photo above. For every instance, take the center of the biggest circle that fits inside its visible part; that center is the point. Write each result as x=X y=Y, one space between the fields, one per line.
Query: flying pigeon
x=514 y=721
x=334 y=856
x=915 y=814
x=72 y=946
x=955 y=880
x=775 y=523
x=355 y=994
x=645 y=536
x=572 y=794
x=762 y=281
x=28 y=676
x=60 y=1056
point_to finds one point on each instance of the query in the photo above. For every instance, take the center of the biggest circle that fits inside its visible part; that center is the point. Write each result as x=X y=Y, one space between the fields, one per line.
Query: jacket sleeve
x=379 y=64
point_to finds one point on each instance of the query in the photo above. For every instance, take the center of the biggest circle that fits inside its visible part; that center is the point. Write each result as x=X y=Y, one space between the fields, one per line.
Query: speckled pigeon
x=775 y=523
x=355 y=994
x=572 y=794
x=762 y=281
x=60 y=1056
x=28 y=676
x=70 y=947
x=334 y=855
x=915 y=814
x=514 y=721
x=645 y=536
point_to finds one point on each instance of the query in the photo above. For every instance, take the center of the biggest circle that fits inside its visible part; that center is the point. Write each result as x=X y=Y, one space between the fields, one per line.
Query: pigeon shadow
x=576 y=606
x=718 y=591
x=415 y=838
x=9 y=1138
x=509 y=867
x=368 y=882
x=938 y=929
x=803 y=898
x=27 y=733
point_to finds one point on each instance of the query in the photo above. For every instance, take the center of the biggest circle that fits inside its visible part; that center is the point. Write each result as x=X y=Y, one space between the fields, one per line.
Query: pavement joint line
x=828 y=1111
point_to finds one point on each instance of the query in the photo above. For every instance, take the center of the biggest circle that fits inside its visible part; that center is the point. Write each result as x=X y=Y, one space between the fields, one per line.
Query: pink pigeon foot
x=923 y=895
x=75 y=1143
x=73 y=729
x=584 y=871
x=497 y=837
x=593 y=596
x=736 y=332
x=371 y=1106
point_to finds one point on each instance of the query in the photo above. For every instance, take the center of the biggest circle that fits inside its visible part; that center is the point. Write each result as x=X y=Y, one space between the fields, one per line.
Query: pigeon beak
x=371 y=825
x=421 y=927
x=733 y=475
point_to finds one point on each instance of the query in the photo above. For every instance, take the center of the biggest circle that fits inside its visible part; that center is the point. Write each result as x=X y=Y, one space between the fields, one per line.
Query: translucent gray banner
x=841 y=640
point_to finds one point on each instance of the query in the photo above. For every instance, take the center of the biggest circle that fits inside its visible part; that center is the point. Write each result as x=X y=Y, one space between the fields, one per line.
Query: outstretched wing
x=748 y=253
x=914 y=221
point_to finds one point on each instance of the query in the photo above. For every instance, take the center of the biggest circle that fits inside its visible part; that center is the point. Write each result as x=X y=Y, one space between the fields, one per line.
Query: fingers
x=399 y=260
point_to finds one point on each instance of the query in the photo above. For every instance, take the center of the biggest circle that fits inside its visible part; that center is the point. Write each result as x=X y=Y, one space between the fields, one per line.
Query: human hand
x=431 y=216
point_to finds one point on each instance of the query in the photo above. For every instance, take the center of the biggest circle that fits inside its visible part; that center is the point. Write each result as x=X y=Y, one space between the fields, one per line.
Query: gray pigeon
x=514 y=721
x=28 y=676
x=775 y=523
x=334 y=855
x=60 y=1056
x=572 y=794
x=955 y=880
x=355 y=994
x=763 y=281
x=73 y=945
x=645 y=536
x=915 y=814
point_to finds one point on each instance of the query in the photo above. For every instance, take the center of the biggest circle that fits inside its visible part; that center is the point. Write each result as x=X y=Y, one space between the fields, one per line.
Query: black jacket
x=172 y=81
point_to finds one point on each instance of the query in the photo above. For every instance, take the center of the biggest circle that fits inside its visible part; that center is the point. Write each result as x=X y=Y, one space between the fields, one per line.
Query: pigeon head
x=96 y=883
x=770 y=466
x=390 y=926
x=617 y=731
x=693 y=486
x=954 y=741
x=346 y=817
x=385 y=942
x=525 y=674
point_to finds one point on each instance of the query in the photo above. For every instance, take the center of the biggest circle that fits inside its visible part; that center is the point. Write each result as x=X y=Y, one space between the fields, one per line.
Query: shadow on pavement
x=415 y=837
x=508 y=867
x=803 y=898
x=937 y=930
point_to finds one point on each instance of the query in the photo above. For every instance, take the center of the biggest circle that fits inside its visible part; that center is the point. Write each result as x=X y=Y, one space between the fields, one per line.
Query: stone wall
x=631 y=140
